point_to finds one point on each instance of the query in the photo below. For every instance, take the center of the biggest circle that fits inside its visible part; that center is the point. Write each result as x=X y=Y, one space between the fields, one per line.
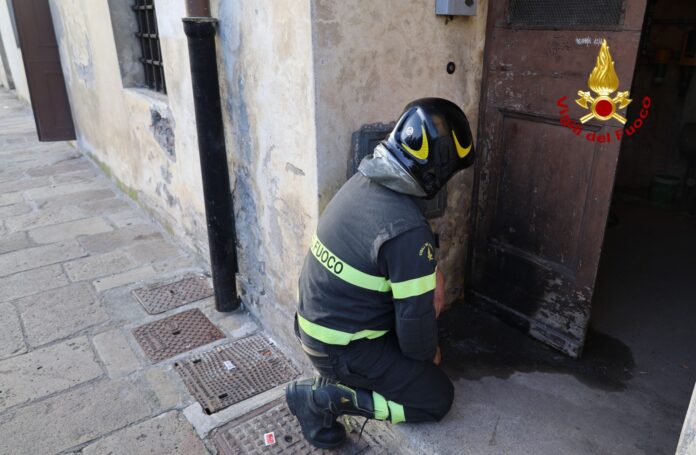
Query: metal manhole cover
x=175 y=334
x=234 y=372
x=246 y=435
x=162 y=297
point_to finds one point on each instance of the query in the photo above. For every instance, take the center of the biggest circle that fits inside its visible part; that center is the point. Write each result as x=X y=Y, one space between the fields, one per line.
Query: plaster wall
x=267 y=87
x=370 y=60
x=13 y=53
x=145 y=141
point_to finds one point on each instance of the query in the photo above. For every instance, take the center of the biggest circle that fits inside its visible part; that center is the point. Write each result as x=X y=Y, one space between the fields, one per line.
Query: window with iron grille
x=150 y=45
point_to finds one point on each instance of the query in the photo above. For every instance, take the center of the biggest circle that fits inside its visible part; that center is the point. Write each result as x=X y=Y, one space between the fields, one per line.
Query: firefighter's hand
x=438 y=356
x=439 y=295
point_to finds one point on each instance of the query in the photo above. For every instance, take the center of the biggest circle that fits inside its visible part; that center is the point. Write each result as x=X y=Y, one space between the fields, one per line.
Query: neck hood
x=381 y=167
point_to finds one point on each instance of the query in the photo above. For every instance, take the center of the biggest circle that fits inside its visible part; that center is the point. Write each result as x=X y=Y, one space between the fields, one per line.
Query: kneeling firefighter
x=369 y=292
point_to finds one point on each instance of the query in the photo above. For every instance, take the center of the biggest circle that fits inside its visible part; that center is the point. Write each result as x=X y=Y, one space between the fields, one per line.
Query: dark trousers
x=422 y=388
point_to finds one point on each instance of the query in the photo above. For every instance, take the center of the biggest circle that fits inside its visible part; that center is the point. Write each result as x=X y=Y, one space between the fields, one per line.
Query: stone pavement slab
x=104 y=206
x=11 y=339
x=10 y=198
x=69 y=165
x=70 y=419
x=66 y=189
x=122 y=279
x=115 y=353
x=44 y=217
x=14 y=242
x=58 y=313
x=126 y=217
x=184 y=263
x=98 y=266
x=24 y=184
x=46 y=371
x=166 y=434
x=32 y=282
x=120 y=238
x=32 y=258
x=75 y=177
x=170 y=390
x=73 y=199
x=69 y=230
x=10 y=173
x=155 y=251
x=19 y=208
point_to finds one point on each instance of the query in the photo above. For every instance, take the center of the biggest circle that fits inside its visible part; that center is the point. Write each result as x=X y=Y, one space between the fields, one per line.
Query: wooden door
x=542 y=193
x=49 y=99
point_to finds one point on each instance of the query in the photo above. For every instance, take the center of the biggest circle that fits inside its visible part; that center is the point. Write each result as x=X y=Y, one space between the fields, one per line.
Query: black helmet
x=432 y=141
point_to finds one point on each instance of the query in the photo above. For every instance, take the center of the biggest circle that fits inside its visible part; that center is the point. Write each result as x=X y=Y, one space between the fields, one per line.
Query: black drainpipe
x=219 y=209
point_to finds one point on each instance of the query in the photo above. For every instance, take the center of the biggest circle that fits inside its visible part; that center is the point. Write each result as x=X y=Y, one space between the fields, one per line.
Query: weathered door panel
x=49 y=98
x=542 y=193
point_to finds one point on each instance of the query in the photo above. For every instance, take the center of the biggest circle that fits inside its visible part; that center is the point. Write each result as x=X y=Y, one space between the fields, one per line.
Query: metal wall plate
x=245 y=435
x=455 y=7
x=159 y=298
x=176 y=334
x=234 y=372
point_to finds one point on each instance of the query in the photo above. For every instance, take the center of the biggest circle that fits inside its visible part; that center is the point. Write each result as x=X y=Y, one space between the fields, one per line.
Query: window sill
x=156 y=98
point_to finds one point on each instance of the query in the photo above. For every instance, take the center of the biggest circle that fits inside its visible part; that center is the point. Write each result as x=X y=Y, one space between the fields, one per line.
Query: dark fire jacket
x=370 y=270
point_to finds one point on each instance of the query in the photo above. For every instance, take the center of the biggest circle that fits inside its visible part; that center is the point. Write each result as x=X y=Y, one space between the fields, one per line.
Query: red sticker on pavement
x=269 y=438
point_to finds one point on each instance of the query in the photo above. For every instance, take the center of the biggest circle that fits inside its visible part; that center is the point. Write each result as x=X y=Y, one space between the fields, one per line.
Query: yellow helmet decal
x=422 y=152
x=461 y=151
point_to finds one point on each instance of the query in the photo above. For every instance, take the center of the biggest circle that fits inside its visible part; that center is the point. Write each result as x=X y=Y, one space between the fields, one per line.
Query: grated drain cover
x=246 y=435
x=175 y=334
x=162 y=297
x=232 y=373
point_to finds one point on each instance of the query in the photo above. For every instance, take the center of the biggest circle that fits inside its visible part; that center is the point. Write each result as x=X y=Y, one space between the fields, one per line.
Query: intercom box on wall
x=455 y=7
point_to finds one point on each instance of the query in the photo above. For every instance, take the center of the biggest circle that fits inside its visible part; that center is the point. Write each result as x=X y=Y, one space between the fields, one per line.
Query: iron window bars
x=150 y=45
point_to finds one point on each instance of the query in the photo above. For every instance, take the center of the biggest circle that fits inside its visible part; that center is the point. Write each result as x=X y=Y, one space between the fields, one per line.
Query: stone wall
x=144 y=140
x=371 y=59
x=265 y=60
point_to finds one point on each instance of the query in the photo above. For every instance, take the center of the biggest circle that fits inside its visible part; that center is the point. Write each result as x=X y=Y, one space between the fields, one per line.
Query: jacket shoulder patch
x=427 y=251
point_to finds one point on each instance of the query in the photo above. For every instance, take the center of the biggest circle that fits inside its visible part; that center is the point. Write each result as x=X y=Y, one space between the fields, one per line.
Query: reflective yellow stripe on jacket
x=344 y=271
x=332 y=336
x=349 y=274
x=414 y=287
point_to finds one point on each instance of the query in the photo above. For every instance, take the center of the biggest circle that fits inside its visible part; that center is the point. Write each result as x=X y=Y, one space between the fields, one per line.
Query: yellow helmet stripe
x=461 y=151
x=422 y=152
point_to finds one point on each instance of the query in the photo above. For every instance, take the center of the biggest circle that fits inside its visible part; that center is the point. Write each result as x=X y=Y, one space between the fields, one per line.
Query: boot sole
x=290 y=399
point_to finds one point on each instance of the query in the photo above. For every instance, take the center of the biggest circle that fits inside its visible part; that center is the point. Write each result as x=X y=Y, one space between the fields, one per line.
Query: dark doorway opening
x=645 y=293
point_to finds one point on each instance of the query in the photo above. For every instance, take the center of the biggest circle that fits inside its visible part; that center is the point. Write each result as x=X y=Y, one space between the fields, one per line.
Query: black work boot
x=318 y=402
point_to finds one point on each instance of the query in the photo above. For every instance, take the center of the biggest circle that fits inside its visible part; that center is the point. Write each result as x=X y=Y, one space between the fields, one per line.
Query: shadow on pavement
x=476 y=344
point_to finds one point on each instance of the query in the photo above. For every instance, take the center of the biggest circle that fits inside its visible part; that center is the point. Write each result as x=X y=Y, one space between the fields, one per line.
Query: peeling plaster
x=163 y=130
